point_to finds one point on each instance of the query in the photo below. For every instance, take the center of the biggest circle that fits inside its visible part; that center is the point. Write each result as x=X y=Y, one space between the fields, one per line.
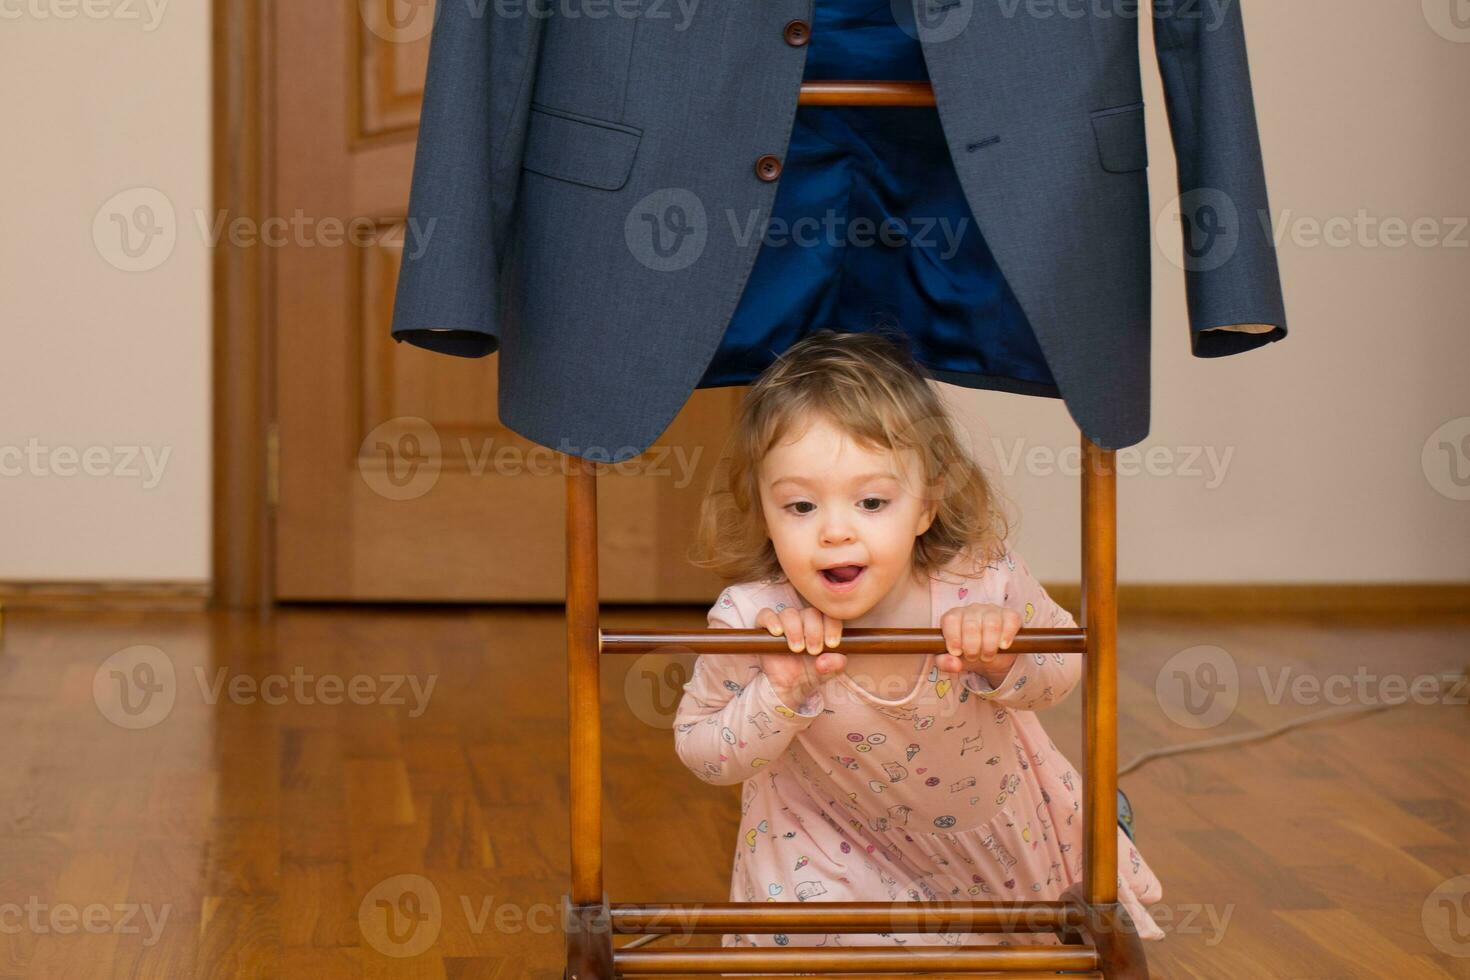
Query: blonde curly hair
x=869 y=386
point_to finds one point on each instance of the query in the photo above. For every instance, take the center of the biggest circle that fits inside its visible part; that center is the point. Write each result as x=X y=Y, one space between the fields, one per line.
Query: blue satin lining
x=888 y=238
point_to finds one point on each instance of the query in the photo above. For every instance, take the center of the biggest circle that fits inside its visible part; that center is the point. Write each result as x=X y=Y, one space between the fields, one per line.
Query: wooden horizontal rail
x=1008 y=975
x=866 y=93
x=855 y=959
x=874 y=917
x=1049 y=639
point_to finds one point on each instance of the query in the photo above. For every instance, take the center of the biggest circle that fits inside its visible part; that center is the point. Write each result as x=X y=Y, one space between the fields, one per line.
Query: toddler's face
x=842 y=518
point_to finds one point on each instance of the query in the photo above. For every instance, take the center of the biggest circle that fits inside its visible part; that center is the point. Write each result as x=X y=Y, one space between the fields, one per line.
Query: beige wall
x=1320 y=437
x=1301 y=461
x=101 y=365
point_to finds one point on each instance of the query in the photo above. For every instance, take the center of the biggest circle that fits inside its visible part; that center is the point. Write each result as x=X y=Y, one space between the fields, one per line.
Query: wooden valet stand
x=1098 y=938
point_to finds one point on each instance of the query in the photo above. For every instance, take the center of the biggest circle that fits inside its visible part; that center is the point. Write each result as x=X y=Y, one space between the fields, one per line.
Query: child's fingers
x=795 y=630
x=990 y=641
x=831 y=630
x=829 y=663
x=950 y=664
x=973 y=635
x=949 y=625
x=1010 y=628
x=767 y=619
x=778 y=625
x=814 y=628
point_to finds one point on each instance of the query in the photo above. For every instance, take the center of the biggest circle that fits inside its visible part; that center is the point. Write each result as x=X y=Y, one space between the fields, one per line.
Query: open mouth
x=843 y=576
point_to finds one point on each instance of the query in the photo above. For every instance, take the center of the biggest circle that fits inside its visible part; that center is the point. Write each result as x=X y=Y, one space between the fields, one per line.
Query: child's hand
x=974 y=635
x=796 y=678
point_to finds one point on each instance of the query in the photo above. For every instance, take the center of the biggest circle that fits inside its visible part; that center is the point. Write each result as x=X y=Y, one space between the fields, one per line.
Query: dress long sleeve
x=1232 y=288
x=472 y=141
x=730 y=721
x=1036 y=680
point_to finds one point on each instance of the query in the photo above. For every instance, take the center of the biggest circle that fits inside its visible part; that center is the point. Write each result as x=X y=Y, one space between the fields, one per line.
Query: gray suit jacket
x=546 y=139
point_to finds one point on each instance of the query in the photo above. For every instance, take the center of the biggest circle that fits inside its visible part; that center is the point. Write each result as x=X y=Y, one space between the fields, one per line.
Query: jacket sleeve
x=472 y=130
x=730 y=721
x=1232 y=283
x=1035 y=680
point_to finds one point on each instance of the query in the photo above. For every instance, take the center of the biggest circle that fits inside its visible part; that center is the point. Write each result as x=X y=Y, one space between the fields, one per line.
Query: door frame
x=243 y=325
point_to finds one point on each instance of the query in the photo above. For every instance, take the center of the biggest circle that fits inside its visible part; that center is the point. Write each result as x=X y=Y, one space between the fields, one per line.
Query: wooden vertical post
x=1100 y=690
x=585 y=918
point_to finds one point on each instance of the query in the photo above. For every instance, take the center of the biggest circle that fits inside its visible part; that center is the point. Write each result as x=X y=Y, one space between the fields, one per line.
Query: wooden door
x=393 y=478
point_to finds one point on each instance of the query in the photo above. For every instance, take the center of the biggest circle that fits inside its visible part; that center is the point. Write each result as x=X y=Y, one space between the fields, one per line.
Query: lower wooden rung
x=1003 y=975
x=860 y=917
x=949 y=960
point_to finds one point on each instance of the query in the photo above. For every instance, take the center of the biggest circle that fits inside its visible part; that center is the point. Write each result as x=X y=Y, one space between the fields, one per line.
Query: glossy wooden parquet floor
x=221 y=795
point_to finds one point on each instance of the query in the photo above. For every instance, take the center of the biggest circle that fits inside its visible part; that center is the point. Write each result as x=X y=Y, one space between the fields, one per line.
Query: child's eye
x=870 y=504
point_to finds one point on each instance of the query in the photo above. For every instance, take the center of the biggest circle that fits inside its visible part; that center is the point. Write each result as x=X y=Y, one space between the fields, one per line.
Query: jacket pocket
x=581 y=149
x=1122 y=145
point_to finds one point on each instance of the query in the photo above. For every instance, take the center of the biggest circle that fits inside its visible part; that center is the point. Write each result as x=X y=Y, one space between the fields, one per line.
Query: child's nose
x=836 y=532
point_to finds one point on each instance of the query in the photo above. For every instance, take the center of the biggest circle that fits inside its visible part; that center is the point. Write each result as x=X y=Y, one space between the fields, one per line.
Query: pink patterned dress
x=951 y=791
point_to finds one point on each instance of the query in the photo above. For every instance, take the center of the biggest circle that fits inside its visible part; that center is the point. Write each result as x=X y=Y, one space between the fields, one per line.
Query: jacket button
x=768 y=167
x=797 y=33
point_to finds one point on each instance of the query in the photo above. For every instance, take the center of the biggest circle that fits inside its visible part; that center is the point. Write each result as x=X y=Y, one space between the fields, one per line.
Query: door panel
x=395 y=478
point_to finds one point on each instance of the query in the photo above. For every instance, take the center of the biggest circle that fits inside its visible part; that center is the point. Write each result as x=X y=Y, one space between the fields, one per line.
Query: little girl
x=850 y=502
